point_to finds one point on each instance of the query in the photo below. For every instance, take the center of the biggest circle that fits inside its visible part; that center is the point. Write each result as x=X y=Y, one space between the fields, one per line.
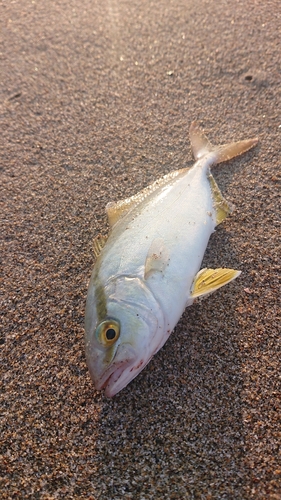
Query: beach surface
x=96 y=103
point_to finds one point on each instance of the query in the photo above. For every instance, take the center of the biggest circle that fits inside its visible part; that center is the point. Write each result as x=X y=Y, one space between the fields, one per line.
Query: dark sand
x=96 y=102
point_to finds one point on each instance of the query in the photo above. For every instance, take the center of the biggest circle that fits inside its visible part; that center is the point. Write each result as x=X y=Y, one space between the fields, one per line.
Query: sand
x=96 y=103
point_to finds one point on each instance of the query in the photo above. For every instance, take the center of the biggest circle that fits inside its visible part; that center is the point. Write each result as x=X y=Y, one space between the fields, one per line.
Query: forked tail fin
x=201 y=145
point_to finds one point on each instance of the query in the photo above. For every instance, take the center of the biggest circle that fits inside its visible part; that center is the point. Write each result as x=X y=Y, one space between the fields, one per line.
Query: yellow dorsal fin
x=116 y=210
x=98 y=244
x=222 y=208
x=207 y=281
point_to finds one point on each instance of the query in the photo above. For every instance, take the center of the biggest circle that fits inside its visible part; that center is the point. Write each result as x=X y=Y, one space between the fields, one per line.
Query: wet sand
x=96 y=103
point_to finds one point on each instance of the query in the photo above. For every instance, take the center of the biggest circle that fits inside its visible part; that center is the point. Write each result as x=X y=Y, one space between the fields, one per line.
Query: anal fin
x=207 y=281
x=222 y=208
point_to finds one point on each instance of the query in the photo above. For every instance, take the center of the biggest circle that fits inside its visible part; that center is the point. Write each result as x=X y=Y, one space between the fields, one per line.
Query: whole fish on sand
x=148 y=269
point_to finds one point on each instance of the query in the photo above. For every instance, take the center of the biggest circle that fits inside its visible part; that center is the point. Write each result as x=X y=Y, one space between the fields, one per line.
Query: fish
x=147 y=270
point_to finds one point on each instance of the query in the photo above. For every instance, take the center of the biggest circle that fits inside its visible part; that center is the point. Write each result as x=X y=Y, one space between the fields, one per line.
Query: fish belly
x=186 y=232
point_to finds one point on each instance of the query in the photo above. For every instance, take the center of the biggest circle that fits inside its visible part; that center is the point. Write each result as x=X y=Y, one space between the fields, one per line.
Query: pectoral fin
x=157 y=258
x=207 y=281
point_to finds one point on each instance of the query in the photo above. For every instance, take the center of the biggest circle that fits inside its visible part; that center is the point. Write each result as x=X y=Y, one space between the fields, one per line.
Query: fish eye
x=108 y=332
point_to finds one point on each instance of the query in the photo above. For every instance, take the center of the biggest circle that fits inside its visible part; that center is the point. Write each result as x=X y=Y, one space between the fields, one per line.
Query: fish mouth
x=114 y=378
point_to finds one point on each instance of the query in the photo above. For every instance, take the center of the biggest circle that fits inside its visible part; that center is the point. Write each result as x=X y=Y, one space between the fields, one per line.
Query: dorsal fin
x=116 y=210
x=98 y=244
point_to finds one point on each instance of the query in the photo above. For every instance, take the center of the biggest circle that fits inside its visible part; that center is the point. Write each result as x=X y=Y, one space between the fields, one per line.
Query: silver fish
x=148 y=269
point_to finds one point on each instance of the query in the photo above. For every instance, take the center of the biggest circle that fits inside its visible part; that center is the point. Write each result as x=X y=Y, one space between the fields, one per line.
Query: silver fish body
x=147 y=271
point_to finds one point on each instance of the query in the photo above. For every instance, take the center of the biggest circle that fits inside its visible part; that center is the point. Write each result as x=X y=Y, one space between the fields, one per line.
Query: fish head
x=122 y=334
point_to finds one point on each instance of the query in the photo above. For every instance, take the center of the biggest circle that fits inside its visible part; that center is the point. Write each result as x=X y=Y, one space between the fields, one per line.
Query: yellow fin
x=222 y=208
x=116 y=210
x=157 y=258
x=207 y=281
x=98 y=244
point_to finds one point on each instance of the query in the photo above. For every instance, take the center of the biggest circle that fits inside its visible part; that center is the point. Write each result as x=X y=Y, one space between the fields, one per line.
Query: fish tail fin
x=201 y=145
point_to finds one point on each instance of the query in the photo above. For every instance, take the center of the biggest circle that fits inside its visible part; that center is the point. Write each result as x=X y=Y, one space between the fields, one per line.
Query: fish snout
x=117 y=376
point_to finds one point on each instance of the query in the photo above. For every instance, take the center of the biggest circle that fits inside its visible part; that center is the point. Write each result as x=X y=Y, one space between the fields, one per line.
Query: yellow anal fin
x=222 y=208
x=98 y=244
x=207 y=281
x=157 y=258
x=117 y=210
